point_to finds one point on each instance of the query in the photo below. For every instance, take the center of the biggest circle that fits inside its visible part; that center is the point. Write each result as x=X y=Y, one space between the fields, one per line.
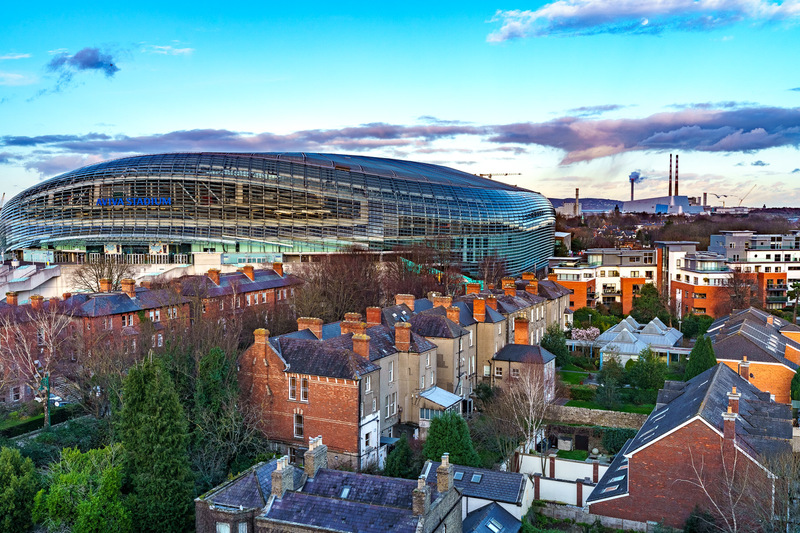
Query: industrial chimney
x=705 y=198
x=670 y=175
x=577 y=199
x=676 y=174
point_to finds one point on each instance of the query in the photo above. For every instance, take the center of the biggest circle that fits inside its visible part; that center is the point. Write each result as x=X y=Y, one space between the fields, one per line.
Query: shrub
x=18 y=484
x=582 y=392
x=615 y=438
x=700 y=522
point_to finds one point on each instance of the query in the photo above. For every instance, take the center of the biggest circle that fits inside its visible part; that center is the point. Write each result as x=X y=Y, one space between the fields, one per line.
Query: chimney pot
x=105 y=285
x=521 y=330
x=528 y=276
x=491 y=301
x=278 y=268
x=402 y=336
x=352 y=317
x=316 y=457
x=12 y=298
x=36 y=302
x=744 y=368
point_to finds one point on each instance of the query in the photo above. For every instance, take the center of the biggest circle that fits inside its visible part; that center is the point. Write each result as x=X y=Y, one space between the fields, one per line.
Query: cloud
x=87 y=59
x=167 y=50
x=8 y=157
x=15 y=78
x=759 y=163
x=428 y=119
x=796 y=171
x=592 y=17
x=727 y=104
x=795 y=89
x=588 y=111
x=14 y=56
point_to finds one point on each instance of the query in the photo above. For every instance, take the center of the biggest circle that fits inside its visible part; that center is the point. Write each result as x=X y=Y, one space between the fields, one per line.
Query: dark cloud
x=85 y=59
x=588 y=111
x=11 y=140
x=591 y=17
x=759 y=163
x=796 y=171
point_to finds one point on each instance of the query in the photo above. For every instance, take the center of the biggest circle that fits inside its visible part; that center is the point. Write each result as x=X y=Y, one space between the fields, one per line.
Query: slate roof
x=758 y=316
x=322 y=358
x=615 y=480
x=740 y=334
x=523 y=353
x=762 y=428
x=552 y=290
x=250 y=489
x=491 y=316
x=364 y=488
x=396 y=313
x=201 y=285
x=434 y=323
x=493 y=485
x=340 y=515
x=502 y=521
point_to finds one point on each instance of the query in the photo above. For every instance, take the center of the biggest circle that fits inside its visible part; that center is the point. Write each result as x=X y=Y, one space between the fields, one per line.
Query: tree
x=400 y=462
x=649 y=304
x=612 y=371
x=449 y=433
x=528 y=397
x=18 y=485
x=555 y=342
x=695 y=325
x=496 y=429
x=794 y=295
x=701 y=358
x=648 y=371
x=493 y=268
x=741 y=291
x=86 y=277
x=84 y=493
x=154 y=431
x=34 y=343
x=795 y=386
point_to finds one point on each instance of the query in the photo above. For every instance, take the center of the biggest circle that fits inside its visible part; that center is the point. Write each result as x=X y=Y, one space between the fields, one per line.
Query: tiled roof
x=322 y=358
x=434 y=323
x=396 y=313
x=364 y=488
x=552 y=290
x=491 y=317
x=501 y=520
x=482 y=483
x=523 y=353
x=250 y=489
x=615 y=480
x=341 y=515
x=202 y=286
x=759 y=342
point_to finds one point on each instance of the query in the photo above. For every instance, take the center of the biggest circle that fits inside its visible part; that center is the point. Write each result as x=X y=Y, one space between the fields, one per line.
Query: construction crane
x=748 y=194
x=497 y=174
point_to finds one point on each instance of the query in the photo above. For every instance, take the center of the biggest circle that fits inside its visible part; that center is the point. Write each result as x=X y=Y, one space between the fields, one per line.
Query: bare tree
x=412 y=272
x=493 y=268
x=528 y=396
x=35 y=343
x=498 y=425
x=741 y=290
x=87 y=276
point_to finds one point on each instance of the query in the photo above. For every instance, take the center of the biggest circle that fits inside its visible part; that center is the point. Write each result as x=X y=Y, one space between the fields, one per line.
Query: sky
x=573 y=93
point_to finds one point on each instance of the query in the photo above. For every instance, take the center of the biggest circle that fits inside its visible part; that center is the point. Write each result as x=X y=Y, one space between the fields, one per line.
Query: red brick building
x=710 y=442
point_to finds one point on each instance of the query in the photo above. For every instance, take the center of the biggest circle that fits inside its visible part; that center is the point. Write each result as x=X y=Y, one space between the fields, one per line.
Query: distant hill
x=589 y=204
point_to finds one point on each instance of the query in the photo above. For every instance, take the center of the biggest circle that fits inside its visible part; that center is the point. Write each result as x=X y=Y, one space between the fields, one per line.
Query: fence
x=563 y=480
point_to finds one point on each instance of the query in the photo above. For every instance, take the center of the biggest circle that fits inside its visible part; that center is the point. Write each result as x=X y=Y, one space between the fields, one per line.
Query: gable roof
x=506 y=487
x=322 y=358
x=734 y=338
x=250 y=489
x=523 y=353
x=364 y=488
x=434 y=323
x=502 y=521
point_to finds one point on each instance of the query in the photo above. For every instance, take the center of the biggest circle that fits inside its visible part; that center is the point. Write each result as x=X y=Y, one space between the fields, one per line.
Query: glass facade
x=280 y=203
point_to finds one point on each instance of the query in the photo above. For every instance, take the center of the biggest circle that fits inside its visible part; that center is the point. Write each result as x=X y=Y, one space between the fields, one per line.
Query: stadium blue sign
x=133 y=202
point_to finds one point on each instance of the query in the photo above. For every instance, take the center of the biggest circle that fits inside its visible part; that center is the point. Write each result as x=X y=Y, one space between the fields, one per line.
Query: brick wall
x=205 y=518
x=595 y=417
x=660 y=477
x=580 y=289
x=717 y=301
x=627 y=292
x=773 y=378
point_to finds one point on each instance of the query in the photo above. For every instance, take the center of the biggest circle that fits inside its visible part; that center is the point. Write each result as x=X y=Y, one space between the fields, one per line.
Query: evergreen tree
x=400 y=462
x=795 y=386
x=701 y=358
x=18 y=484
x=555 y=342
x=649 y=304
x=449 y=433
x=648 y=371
x=153 y=430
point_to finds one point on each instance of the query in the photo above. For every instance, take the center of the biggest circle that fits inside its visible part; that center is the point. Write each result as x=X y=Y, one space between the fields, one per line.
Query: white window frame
x=303 y=389
x=367 y=383
x=391 y=371
x=301 y=425
x=292 y=387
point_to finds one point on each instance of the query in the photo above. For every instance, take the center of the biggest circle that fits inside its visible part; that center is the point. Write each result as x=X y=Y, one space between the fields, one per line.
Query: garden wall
x=595 y=417
x=568 y=512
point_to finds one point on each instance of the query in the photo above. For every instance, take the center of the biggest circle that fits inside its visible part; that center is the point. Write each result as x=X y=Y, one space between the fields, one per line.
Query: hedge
x=582 y=392
x=615 y=438
x=37 y=422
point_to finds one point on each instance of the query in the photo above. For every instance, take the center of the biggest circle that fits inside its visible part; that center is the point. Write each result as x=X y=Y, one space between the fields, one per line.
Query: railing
x=142 y=259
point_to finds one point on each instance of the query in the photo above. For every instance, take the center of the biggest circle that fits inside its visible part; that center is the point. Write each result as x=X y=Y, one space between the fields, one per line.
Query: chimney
x=314 y=324
x=278 y=268
x=733 y=401
x=632 y=182
x=316 y=457
x=532 y=287
x=528 y=276
x=407 y=299
x=373 y=316
x=771 y=320
x=402 y=336
x=352 y=317
x=444 y=301
x=490 y=286
x=521 y=332
x=444 y=474
x=105 y=285
x=129 y=287
x=248 y=271
x=473 y=288
x=356 y=328
x=37 y=300
x=509 y=286
x=421 y=498
x=11 y=298
x=66 y=296
x=53 y=303
x=146 y=283
x=705 y=198
x=361 y=345
x=676 y=175
x=729 y=427
x=577 y=201
x=479 y=309
x=744 y=368
x=454 y=314
x=282 y=477
x=670 y=175
x=491 y=301
x=261 y=336
x=213 y=275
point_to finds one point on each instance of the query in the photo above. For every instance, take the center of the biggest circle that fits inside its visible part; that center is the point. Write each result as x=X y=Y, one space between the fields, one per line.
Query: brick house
x=304 y=386
x=278 y=497
x=709 y=441
x=759 y=346
x=515 y=360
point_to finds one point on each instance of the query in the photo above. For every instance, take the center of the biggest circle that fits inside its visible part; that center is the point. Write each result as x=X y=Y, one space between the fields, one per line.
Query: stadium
x=276 y=206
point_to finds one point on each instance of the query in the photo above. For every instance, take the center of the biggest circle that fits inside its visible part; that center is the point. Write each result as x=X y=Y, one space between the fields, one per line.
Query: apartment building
x=698 y=284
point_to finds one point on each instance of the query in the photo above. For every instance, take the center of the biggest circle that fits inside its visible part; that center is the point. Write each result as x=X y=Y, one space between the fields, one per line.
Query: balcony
x=777 y=299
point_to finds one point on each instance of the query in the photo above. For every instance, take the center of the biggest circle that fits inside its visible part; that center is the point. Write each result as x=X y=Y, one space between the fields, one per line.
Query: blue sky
x=575 y=93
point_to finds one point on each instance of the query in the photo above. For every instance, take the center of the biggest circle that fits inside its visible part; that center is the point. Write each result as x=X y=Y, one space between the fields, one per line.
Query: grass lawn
x=573 y=378
x=577 y=455
x=572 y=367
x=644 y=409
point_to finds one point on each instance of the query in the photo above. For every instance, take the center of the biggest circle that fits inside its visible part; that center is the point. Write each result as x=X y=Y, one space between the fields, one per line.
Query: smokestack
x=632 y=182
x=705 y=198
x=676 y=175
x=577 y=200
x=670 y=174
